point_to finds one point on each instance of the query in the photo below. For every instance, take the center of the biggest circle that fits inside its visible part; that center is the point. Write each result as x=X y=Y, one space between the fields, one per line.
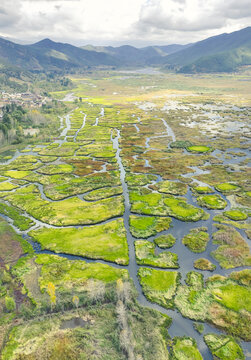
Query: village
x=28 y=99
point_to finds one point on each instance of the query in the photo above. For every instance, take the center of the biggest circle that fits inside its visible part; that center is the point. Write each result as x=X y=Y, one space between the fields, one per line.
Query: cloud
x=137 y=22
x=9 y=13
x=233 y=9
x=190 y=15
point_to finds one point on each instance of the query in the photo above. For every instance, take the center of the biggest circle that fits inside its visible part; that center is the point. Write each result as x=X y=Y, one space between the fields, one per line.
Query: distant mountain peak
x=44 y=42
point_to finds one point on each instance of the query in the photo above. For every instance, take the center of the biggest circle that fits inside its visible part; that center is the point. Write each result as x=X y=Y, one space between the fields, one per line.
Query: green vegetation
x=79 y=194
x=145 y=255
x=224 y=347
x=159 y=286
x=218 y=303
x=235 y=215
x=145 y=202
x=204 y=264
x=17 y=174
x=234 y=297
x=57 y=187
x=56 y=169
x=7 y=186
x=71 y=211
x=61 y=271
x=242 y=277
x=212 y=201
x=179 y=209
x=227 y=187
x=238 y=224
x=203 y=189
x=199 y=327
x=19 y=220
x=233 y=251
x=194 y=279
x=106 y=302
x=134 y=180
x=165 y=241
x=170 y=187
x=185 y=348
x=199 y=149
x=146 y=226
x=10 y=304
x=103 y=193
x=180 y=144
x=12 y=246
x=107 y=242
x=196 y=240
x=83 y=335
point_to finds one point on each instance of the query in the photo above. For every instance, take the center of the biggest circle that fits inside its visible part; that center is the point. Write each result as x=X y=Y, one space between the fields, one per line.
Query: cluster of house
x=23 y=99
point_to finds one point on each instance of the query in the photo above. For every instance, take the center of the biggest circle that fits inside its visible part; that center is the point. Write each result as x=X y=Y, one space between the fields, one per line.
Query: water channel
x=181 y=326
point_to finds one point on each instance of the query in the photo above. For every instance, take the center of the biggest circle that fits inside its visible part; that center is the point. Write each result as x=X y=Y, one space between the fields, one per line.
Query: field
x=145 y=179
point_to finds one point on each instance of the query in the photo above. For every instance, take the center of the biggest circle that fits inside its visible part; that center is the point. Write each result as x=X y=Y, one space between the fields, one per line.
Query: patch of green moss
x=185 y=348
x=63 y=272
x=203 y=189
x=227 y=187
x=146 y=226
x=146 y=202
x=181 y=210
x=103 y=193
x=236 y=215
x=170 y=187
x=165 y=241
x=159 y=286
x=196 y=240
x=238 y=224
x=243 y=277
x=195 y=279
x=134 y=180
x=145 y=255
x=107 y=242
x=204 y=264
x=218 y=303
x=212 y=201
x=58 y=187
x=199 y=327
x=233 y=296
x=199 y=149
x=7 y=186
x=56 y=169
x=72 y=211
x=19 y=220
x=233 y=251
x=224 y=347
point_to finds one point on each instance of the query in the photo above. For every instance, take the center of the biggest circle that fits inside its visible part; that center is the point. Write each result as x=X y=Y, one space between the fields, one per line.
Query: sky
x=117 y=22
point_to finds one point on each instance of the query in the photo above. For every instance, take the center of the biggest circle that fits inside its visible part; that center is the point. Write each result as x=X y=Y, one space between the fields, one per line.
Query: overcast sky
x=115 y=22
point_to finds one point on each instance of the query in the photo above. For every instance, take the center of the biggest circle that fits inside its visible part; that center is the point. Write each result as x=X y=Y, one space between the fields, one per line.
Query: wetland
x=131 y=227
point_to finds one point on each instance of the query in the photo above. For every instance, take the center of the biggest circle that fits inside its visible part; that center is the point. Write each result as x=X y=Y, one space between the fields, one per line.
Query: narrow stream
x=181 y=326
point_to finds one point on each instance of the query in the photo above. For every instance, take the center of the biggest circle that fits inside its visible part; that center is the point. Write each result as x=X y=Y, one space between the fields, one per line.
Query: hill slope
x=130 y=55
x=224 y=52
x=49 y=55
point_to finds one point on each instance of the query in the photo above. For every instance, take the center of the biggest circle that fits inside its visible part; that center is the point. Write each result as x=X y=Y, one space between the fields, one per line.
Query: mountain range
x=222 y=53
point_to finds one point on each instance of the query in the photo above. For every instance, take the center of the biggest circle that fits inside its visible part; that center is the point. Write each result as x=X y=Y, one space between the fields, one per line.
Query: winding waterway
x=181 y=326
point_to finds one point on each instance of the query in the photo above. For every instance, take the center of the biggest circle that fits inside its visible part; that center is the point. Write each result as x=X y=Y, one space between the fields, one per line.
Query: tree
x=52 y=293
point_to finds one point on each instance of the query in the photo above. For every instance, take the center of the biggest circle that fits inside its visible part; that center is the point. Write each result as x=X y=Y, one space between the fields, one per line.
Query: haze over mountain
x=220 y=53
